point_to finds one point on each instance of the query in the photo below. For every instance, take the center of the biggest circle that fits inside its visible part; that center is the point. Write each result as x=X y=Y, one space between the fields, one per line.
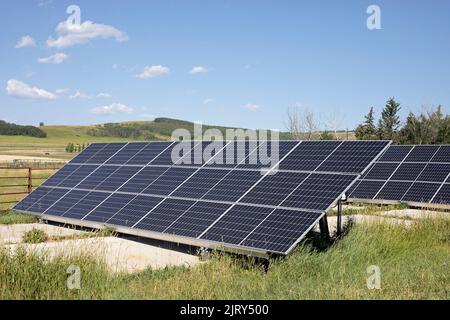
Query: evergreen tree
x=390 y=120
x=367 y=130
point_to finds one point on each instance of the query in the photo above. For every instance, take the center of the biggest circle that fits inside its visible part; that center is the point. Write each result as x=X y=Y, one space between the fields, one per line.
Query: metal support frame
x=324 y=231
x=339 y=219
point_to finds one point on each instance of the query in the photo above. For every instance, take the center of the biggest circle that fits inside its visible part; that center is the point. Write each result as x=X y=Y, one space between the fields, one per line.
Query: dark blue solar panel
x=443 y=195
x=381 y=171
x=443 y=155
x=352 y=156
x=396 y=153
x=126 y=153
x=66 y=202
x=203 y=153
x=309 y=155
x=267 y=155
x=168 y=181
x=408 y=171
x=109 y=207
x=233 y=186
x=421 y=154
x=196 y=219
x=435 y=172
x=176 y=153
x=281 y=230
x=200 y=183
x=318 y=191
x=77 y=176
x=118 y=178
x=32 y=198
x=89 y=152
x=394 y=190
x=105 y=153
x=273 y=189
x=47 y=200
x=163 y=215
x=366 y=189
x=86 y=205
x=60 y=175
x=134 y=210
x=143 y=179
x=148 y=153
x=421 y=192
x=237 y=223
x=97 y=177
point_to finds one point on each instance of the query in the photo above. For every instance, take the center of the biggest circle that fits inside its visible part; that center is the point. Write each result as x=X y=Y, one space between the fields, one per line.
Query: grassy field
x=53 y=146
x=414 y=263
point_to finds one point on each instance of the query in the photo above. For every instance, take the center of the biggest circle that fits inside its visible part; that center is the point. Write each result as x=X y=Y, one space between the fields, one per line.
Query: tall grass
x=414 y=262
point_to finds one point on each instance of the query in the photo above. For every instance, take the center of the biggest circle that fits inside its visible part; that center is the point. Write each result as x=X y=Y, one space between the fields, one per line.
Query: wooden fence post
x=30 y=180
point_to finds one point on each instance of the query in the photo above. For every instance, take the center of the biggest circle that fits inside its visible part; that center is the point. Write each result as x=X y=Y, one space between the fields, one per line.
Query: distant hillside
x=11 y=129
x=160 y=128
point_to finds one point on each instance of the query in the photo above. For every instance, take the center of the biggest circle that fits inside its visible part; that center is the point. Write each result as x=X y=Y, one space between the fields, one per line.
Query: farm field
x=413 y=259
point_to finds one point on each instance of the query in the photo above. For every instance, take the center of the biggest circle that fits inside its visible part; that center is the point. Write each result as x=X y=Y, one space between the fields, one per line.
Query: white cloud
x=57 y=58
x=104 y=95
x=198 y=69
x=208 y=101
x=79 y=95
x=21 y=90
x=113 y=108
x=61 y=91
x=251 y=106
x=25 y=41
x=153 y=71
x=69 y=35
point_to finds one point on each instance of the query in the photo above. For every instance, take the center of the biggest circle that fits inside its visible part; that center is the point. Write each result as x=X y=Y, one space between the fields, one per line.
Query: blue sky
x=254 y=59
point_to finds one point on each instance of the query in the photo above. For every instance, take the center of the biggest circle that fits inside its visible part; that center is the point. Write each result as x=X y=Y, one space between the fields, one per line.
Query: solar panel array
x=410 y=174
x=137 y=186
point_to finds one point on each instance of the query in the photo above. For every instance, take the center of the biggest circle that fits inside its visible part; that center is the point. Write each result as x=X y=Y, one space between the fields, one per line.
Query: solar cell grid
x=423 y=168
x=138 y=186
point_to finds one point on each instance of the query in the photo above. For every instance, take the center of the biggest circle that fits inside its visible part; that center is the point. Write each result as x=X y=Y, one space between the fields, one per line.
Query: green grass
x=12 y=217
x=34 y=236
x=414 y=263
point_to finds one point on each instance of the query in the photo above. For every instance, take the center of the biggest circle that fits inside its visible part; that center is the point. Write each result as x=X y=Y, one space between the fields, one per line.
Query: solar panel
x=410 y=174
x=252 y=196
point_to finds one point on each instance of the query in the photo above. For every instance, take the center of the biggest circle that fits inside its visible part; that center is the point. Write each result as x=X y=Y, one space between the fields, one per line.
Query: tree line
x=72 y=147
x=428 y=127
x=11 y=129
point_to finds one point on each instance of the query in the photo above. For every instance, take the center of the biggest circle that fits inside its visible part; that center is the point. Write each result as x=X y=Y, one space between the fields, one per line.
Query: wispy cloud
x=70 y=35
x=25 y=41
x=251 y=106
x=56 y=58
x=153 y=71
x=105 y=95
x=198 y=69
x=113 y=108
x=208 y=101
x=21 y=90
x=79 y=95
x=61 y=91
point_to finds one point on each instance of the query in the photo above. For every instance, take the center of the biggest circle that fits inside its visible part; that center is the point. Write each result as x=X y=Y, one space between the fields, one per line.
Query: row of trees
x=11 y=129
x=71 y=147
x=429 y=127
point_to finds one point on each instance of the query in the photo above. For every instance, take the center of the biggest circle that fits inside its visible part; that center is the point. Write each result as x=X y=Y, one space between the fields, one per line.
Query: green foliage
x=34 y=236
x=413 y=261
x=11 y=129
x=325 y=135
x=427 y=128
x=12 y=217
x=41 y=124
x=390 y=120
x=367 y=130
